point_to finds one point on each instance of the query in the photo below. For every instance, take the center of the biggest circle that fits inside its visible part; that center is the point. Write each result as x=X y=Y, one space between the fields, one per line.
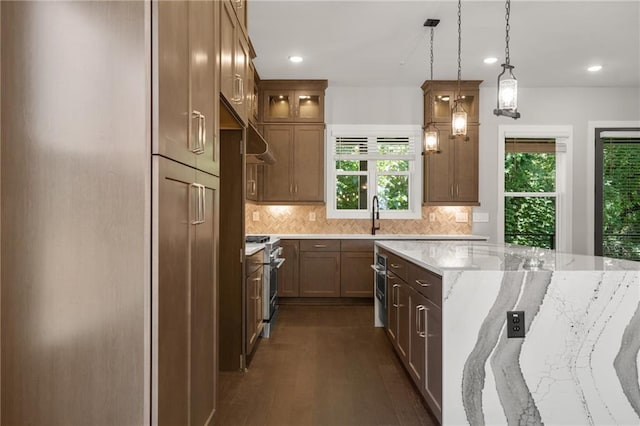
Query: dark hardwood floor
x=324 y=365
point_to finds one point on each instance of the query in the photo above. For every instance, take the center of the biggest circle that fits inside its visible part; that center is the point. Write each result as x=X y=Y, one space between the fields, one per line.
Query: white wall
x=539 y=106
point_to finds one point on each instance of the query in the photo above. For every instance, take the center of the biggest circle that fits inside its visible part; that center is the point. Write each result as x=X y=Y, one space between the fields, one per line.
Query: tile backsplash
x=296 y=219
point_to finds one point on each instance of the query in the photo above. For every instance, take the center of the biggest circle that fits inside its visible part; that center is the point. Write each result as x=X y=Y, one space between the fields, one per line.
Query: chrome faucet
x=375 y=214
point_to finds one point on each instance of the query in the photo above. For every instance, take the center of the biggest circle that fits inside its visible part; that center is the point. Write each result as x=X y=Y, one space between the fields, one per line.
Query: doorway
x=617 y=193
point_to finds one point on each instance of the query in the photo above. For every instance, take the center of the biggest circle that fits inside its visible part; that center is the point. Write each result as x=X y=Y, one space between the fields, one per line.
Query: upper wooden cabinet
x=439 y=96
x=240 y=9
x=297 y=101
x=451 y=175
x=186 y=88
x=234 y=62
x=298 y=174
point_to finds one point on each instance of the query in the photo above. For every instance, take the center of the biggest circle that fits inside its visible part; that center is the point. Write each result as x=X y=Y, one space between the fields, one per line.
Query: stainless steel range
x=272 y=262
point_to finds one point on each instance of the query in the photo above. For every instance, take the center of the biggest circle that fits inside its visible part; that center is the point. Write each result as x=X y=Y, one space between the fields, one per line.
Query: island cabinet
x=288 y=274
x=298 y=174
x=414 y=325
x=234 y=62
x=253 y=299
x=186 y=89
x=451 y=175
x=319 y=268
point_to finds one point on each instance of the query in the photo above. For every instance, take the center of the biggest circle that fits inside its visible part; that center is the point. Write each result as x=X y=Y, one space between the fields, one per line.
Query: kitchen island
x=578 y=362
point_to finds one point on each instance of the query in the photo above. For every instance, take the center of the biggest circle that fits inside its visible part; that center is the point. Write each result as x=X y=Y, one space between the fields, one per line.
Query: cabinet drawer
x=319 y=245
x=398 y=266
x=426 y=283
x=357 y=245
x=254 y=262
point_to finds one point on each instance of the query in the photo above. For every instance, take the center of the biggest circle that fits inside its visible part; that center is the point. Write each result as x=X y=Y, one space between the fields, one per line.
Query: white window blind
x=375 y=147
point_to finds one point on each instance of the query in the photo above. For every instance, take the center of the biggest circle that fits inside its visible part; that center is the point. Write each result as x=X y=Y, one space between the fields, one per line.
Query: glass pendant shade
x=431 y=142
x=459 y=123
x=508 y=93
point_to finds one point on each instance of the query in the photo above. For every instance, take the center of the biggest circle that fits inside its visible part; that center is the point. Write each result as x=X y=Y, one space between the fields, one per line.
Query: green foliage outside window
x=621 y=200
x=530 y=221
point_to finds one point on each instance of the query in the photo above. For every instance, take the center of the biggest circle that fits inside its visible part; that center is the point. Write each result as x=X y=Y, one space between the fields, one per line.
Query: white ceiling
x=384 y=43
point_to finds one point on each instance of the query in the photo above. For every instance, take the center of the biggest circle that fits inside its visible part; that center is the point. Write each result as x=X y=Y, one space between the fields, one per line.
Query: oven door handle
x=278 y=263
x=377 y=268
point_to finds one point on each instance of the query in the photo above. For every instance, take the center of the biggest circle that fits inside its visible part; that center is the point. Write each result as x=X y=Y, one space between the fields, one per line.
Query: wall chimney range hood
x=257 y=147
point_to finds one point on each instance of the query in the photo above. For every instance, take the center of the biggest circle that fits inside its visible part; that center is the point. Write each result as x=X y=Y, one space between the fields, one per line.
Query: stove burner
x=257 y=239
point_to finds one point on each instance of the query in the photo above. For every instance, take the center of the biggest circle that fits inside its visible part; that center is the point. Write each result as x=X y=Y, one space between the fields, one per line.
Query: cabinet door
x=417 y=336
x=172 y=94
x=186 y=334
x=308 y=106
x=204 y=84
x=356 y=276
x=175 y=245
x=228 y=29
x=240 y=8
x=251 y=294
x=252 y=182
x=466 y=167
x=393 y=286
x=404 y=326
x=288 y=279
x=433 y=376
x=204 y=293
x=308 y=163
x=241 y=70
x=278 y=185
x=278 y=105
x=438 y=185
x=320 y=274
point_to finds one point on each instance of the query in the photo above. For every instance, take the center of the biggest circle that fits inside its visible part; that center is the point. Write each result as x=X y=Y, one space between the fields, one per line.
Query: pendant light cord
x=431 y=57
x=507 y=7
x=459 y=45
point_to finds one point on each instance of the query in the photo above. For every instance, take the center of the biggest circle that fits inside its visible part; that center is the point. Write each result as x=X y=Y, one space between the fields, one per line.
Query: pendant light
x=458 y=114
x=507 y=83
x=431 y=138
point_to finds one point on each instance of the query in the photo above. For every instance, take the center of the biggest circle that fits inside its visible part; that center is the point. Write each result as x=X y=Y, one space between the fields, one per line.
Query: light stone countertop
x=253 y=248
x=441 y=256
x=380 y=237
x=578 y=362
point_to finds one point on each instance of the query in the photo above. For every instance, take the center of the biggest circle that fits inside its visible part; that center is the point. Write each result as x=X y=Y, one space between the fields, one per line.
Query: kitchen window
x=534 y=200
x=364 y=161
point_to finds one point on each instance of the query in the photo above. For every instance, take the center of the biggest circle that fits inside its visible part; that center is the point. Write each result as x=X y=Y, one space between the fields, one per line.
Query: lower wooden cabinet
x=288 y=274
x=326 y=268
x=186 y=329
x=319 y=274
x=356 y=277
x=414 y=327
x=253 y=307
x=432 y=383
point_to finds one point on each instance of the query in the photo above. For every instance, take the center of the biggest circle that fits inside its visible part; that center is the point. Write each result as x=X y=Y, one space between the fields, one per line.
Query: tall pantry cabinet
x=185 y=211
x=109 y=212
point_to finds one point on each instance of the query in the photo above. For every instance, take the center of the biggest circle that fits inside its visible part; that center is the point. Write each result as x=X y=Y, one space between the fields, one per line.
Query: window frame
x=414 y=173
x=564 y=180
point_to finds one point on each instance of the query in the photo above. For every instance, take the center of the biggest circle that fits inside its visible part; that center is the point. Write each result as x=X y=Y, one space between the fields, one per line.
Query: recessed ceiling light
x=491 y=60
x=295 y=59
x=594 y=68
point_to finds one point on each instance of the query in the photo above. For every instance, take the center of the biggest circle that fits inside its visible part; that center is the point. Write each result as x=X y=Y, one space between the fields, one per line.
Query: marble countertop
x=578 y=362
x=381 y=237
x=442 y=256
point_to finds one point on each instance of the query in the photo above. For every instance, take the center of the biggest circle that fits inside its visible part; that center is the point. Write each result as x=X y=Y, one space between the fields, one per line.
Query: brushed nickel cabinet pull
x=320 y=245
x=394 y=266
x=423 y=283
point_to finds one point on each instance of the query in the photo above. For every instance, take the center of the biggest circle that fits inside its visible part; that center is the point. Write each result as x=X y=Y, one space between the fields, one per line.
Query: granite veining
x=578 y=363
